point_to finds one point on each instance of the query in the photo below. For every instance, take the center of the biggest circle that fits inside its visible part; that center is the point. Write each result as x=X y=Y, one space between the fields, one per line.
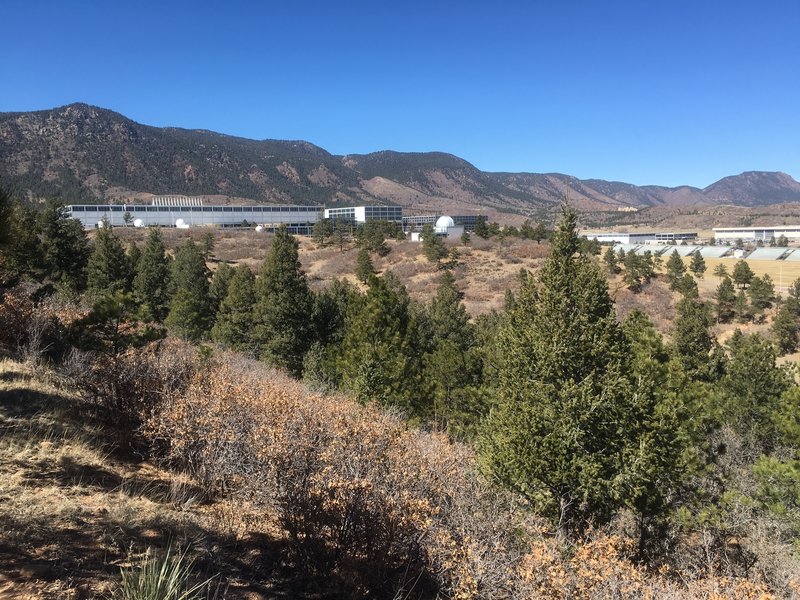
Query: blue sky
x=647 y=92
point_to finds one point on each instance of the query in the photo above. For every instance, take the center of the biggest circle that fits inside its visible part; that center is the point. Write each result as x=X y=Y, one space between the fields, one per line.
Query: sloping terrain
x=77 y=504
x=85 y=153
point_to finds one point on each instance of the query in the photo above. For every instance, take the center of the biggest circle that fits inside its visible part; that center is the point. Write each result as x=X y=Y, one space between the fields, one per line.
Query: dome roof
x=444 y=222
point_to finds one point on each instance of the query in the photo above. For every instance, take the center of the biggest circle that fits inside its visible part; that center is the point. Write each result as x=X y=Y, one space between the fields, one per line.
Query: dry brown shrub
x=131 y=385
x=364 y=499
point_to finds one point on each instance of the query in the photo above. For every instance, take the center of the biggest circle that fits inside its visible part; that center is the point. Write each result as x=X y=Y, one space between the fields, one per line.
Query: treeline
x=590 y=420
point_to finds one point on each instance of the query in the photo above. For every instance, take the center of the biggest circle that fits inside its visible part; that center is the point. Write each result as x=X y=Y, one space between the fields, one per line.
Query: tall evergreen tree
x=761 y=292
x=66 y=249
x=432 y=245
x=151 y=284
x=190 y=313
x=108 y=269
x=133 y=255
x=675 y=270
x=364 y=266
x=557 y=433
x=610 y=258
x=697 y=265
x=450 y=364
x=726 y=300
x=786 y=326
x=218 y=289
x=753 y=386
x=322 y=232
x=742 y=274
x=283 y=327
x=234 y=322
x=692 y=341
x=380 y=360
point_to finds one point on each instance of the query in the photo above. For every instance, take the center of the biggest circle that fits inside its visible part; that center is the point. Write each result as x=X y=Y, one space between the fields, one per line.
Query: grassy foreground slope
x=77 y=504
x=292 y=495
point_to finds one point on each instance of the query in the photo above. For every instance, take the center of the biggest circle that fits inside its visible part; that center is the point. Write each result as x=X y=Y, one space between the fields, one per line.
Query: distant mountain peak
x=79 y=152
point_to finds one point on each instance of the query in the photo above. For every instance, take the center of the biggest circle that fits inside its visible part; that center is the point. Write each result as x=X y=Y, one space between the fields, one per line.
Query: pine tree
x=761 y=292
x=465 y=238
x=341 y=234
x=206 y=245
x=152 y=280
x=432 y=245
x=234 y=322
x=190 y=313
x=726 y=300
x=742 y=274
x=540 y=233
x=364 y=266
x=692 y=340
x=786 y=326
x=557 y=433
x=218 y=289
x=450 y=363
x=66 y=249
x=380 y=360
x=108 y=267
x=321 y=232
x=283 y=328
x=675 y=270
x=134 y=255
x=610 y=258
x=742 y=308
x=721 y=270
x=481 y=228
x=753 y=385
x=697 y=265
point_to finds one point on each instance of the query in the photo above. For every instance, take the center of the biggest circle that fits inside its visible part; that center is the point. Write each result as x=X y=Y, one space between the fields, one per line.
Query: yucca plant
x=164 y=577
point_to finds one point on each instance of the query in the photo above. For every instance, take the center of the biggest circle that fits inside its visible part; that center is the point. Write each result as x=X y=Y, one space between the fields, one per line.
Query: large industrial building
x=656 y=237
x=417 y=222
x=299 y=219
x=729 y=235
x=362 y=214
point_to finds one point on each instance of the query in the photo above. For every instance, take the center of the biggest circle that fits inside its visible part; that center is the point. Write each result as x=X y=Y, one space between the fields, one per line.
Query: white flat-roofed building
x=362 y=214
x=754 y=234
x=299 y=219
x=638 y=237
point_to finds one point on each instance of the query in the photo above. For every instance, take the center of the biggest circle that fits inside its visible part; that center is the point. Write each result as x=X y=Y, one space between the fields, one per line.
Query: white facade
x=620 y=237
x=298 y=218
x=752 y=234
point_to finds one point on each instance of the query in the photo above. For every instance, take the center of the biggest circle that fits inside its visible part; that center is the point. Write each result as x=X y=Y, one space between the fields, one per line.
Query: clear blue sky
x=666 y=92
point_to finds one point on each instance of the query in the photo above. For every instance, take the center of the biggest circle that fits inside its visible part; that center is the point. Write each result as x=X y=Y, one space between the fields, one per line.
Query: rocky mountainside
x=81 y=153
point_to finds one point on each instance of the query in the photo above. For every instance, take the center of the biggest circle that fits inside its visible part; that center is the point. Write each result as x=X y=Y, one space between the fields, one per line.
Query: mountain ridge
x=84 y=153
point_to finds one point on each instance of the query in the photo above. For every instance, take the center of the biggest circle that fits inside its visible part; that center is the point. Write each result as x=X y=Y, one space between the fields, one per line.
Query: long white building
x=754 y=234
x=299 y=219
x=637 y=237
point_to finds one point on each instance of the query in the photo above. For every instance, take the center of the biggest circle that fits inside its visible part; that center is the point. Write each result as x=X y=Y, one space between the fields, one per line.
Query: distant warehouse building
x=660 y=237
x=362 y=214
x=417 y=222
x=729 y=235
x=170 y=213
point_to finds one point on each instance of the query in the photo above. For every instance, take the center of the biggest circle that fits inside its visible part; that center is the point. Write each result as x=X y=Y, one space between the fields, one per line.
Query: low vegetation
x=355 y=442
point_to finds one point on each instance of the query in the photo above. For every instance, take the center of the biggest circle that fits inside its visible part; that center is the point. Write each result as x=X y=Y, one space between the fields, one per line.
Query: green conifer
x=152 y=280
x=283 y=327
x=697 y=265
x=234 y=323
x=190 y=313
x=557 y=433
x=108 y=266
x=364 y=266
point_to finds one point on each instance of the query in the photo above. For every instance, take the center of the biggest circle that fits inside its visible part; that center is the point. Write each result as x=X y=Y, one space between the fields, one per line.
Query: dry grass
x=76 y=505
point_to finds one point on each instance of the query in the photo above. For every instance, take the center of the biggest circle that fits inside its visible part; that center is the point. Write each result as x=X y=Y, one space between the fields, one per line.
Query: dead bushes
x=369 y=505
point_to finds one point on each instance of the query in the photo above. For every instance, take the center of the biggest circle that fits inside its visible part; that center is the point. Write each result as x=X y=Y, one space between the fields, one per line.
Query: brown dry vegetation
x=284 y=494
